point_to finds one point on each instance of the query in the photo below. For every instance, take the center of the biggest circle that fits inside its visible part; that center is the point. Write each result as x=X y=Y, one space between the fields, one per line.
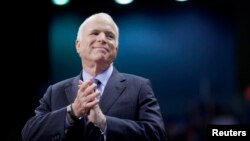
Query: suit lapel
x=114 y=88
x=112 y=91
x=71 y=90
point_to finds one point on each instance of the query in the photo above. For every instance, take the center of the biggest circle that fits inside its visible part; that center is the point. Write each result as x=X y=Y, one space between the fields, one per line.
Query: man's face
x=99 y=41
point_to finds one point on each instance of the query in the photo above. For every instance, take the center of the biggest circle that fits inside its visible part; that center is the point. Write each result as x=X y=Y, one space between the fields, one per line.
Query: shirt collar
x=103 y=77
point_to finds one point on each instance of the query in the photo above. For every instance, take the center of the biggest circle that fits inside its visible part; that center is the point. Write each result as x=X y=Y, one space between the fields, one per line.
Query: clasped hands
x=87 y=103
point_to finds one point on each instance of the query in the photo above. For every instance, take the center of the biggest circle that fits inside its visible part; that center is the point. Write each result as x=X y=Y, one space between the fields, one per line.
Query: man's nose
x=101 y=37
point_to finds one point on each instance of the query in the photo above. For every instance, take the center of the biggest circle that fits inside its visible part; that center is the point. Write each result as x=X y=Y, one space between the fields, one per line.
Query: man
x=101 y=103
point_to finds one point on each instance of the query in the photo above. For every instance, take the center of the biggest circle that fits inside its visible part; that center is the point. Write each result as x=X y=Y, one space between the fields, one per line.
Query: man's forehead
x=100 y=19
x=100 y=23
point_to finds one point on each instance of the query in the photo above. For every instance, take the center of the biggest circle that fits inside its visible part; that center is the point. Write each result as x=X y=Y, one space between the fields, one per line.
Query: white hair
x=91 y=17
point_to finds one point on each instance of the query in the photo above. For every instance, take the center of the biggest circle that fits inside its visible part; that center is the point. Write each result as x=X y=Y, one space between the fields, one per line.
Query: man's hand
x=86 y=98
x=97 y=117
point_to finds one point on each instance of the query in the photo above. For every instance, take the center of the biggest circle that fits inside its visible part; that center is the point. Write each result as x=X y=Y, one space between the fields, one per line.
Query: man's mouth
x=101 y=48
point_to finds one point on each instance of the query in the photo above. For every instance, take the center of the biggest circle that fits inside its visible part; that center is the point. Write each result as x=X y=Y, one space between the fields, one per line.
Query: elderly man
x=100 y=103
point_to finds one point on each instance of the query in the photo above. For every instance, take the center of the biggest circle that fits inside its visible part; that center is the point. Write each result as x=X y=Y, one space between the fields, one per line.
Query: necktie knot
x=96 y=81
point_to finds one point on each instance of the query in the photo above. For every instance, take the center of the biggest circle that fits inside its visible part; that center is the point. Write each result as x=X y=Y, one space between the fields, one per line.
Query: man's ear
x=116 y=49
x=77 y=45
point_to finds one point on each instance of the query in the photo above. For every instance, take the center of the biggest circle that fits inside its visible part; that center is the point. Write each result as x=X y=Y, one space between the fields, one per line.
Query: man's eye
x=94 y=33
x=110 y=36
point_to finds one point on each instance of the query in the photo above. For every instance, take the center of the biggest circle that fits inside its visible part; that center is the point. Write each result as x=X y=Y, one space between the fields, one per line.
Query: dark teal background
x=188 y=55
x=196 y=55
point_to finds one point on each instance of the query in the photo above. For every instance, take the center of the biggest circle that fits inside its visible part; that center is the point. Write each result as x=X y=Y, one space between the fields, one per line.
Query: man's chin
x=100 y=58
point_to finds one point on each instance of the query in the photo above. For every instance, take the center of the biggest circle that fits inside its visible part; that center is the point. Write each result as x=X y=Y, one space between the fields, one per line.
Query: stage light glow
x=60 y=2
x=123 y=2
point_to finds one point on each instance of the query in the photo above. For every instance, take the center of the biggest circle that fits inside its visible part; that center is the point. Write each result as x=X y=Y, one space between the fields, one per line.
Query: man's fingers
x=92 y=103
x=91 y=97
x=84 y=84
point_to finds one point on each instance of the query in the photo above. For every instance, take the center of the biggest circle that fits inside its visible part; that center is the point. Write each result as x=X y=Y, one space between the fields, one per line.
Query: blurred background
x=195 y=52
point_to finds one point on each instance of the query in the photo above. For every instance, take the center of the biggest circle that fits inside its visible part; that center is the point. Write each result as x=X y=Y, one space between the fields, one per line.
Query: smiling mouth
x=101 y=48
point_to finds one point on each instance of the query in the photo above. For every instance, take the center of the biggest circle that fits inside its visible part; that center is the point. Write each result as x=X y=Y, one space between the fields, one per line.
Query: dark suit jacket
x=128 y=101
